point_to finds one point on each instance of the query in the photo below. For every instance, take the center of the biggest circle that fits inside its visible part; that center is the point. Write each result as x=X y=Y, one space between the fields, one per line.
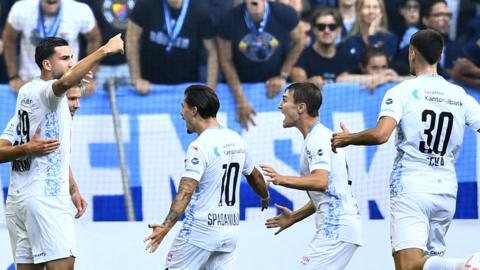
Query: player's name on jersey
x=21 y=165
x=436 y=161
x=223 y=219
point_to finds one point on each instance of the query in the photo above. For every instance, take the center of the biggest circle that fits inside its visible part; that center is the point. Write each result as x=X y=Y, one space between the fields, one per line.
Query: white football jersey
x=37 y=106
x=215 y=159
x=431 y=115
x=337 y=215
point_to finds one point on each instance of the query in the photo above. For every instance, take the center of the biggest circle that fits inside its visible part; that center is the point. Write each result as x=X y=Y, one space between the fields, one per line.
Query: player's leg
x=61 y=264
x=327 y=254
x=185 y=256
x=51 y=231
x=441 y=215
x=409 y=228
x=220 y=261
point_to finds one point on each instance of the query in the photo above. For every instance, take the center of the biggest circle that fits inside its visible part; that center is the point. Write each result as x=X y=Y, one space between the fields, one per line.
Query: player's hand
x=142 y=86
x=274 y=85
x=317 y=80
x=39 y=146
x=90 y=84
x=273 y=176
x=16 y=84
x=115 y=45
x=281 y=221
x=154 y=239
x=340 y=139
x=80 y=203
x=245 y=114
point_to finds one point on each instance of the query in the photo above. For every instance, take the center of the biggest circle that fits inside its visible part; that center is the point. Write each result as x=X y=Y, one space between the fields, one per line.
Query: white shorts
x=41 y=229
x=185 y=256
x=327 y=254
x=421 y=220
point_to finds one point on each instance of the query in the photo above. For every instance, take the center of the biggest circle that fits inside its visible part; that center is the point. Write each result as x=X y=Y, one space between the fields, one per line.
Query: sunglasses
x=323 y=26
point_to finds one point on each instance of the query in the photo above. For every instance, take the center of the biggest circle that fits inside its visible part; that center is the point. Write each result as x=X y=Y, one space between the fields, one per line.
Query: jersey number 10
x=228 y=188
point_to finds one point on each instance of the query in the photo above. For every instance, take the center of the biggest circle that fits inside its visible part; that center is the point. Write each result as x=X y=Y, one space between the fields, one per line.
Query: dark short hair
x=46 y=48
x=371 y=52
x=426 y=8
x=309 y=94
x=204 y=98
x=326 y=11
x=429 y=43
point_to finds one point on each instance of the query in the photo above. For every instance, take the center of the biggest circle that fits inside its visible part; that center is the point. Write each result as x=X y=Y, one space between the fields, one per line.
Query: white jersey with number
x=37 y=106
x=215 y=159
x=431 y=115
x=337 y=215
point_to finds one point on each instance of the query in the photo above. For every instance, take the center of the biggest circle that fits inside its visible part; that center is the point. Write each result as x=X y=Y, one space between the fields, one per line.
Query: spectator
x=370 y=29
x=467 y=70
x=304 y=24
x=374 y=70
x=437 y=16
x=164 y=39
x=111 y=17
x=322 y=62
x=410 y=12
x=348 y=12
x=259 y=41
x=323 y=3
x=33 y=20
x=5 y=6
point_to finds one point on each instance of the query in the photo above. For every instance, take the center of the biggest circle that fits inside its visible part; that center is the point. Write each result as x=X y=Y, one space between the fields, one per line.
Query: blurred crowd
x=243 y=41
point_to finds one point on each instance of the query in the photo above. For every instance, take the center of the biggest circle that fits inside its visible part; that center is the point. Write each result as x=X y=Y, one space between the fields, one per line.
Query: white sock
x=439 y=263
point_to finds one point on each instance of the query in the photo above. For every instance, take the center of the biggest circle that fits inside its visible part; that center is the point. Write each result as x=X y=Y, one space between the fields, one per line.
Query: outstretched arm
x=74 y=75
x=288 y=217
x=185 y=190
x=316 y=181
x=371 y=136
x=255 y=180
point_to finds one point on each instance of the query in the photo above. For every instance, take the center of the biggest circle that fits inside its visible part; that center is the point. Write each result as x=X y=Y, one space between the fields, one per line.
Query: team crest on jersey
x=305 y=260
x=195 y=161
x=389 y=101
x=116 y=11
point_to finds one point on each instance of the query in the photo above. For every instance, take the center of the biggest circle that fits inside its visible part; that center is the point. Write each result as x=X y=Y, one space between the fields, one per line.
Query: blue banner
x=155 y=141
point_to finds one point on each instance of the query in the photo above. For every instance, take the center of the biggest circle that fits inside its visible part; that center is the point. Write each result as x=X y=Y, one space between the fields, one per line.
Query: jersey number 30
x=432 y=143
x=230 y=173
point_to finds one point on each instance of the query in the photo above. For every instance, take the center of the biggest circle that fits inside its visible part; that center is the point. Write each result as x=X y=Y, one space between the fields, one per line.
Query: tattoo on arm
x=185 y=191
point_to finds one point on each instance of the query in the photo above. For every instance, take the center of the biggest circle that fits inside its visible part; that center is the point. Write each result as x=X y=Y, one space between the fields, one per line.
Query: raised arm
x=255 y=180
x=182 y=199
x=372 y=136
x=316 y=181
x=74 y=75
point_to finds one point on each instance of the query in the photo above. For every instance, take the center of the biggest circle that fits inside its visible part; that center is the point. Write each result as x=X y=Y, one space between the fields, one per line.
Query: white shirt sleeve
x=10 y=131
x=15 y=16
x=86 y=19
x=195 y=162
x=48 y=96
x=249 y=165
x=392 y=105
x=472 y=116
x=318 y=151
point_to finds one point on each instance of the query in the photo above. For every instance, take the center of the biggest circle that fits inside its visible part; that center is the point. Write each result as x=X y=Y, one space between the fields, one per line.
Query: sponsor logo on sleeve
x=389 y=101
x=195 y=161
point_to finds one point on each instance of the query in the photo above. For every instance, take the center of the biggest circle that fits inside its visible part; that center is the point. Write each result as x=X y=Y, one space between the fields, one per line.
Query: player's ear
x=194 y=111
x=301 y=107
x=47 y=65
